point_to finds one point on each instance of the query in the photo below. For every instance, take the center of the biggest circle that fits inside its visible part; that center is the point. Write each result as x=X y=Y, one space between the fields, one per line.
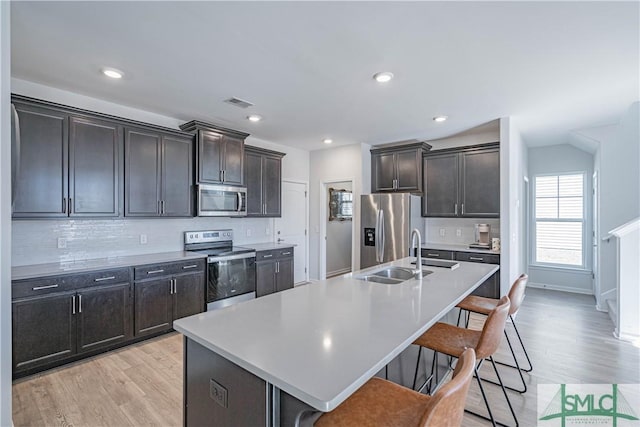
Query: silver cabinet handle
x=100 y=279
x=456 y=209
x=162 y=207
x=433 y=255
x=186 y=267
x=64 y=205
x=222 y=175
x=463 y=209
x=277 y=266
x=286 y=253
x=158 y=208
x=155 y=271
x=267 y=256
x=73 y=304
x=39 y=288
x=264 y=208
x=476 y=258
x=79 y=303
x=175 y=286
x=70 y=205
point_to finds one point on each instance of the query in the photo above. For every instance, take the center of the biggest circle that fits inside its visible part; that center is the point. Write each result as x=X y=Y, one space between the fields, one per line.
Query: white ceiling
x=307 y=66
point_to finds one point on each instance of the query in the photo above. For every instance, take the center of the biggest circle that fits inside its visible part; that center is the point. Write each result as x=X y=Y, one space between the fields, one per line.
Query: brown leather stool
x=452 y=341
x=383 y=403
x=482 y=305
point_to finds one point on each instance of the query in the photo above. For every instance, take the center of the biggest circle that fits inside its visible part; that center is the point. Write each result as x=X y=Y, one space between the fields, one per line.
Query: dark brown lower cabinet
x=43 y=330
x=188 y=295
x=274 y=271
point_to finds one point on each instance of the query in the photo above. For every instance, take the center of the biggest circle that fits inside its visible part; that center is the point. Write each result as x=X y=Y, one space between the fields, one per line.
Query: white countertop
x=457 y=248
x=268 y=246
x=321 y=342
x=52 y=269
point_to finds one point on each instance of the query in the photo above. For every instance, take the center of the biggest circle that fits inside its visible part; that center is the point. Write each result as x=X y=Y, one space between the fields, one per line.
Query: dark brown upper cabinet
x=397 y=167
x=69 y=165
x=462 y=182
x=158 y=174
x=262 y=176
x=219 y=154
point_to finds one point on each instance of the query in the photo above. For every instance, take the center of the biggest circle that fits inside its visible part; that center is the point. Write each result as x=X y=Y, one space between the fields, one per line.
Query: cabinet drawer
x=42 y=286
x=153 y=270
x=478 y=257
x=285 y=253
x=266 y=255
x=435 y=253
x=98 y=278
x=193 y=266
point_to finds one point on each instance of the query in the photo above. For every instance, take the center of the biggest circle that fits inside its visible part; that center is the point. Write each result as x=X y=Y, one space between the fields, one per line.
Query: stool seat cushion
x=378 y=403
x=450 y=340
x=477 y=304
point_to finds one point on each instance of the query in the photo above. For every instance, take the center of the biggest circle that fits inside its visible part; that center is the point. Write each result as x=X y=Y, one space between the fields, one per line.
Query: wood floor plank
x=141 y=385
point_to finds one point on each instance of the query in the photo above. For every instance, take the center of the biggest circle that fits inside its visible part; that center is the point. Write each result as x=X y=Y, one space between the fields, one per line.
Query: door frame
x=306 y=224
x=324 y=185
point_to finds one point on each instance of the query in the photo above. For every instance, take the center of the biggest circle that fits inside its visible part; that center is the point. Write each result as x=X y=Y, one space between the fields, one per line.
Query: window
x=559 y=220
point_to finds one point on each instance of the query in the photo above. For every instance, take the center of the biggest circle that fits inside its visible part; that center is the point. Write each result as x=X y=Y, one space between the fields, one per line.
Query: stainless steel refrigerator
x=386 y=221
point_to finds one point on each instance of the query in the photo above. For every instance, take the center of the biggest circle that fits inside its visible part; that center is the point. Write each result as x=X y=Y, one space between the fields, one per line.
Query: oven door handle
x=213 y=259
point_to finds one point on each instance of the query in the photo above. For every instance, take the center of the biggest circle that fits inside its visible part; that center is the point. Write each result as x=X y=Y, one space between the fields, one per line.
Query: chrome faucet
x=415 y=234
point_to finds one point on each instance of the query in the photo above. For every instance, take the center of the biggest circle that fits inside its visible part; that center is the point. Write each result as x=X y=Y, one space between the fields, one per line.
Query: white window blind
x=559 y=213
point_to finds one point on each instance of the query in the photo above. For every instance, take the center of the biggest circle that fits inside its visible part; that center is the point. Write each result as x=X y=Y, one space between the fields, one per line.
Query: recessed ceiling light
x=254 y=118
x=383 y=77
x=440 y=119
x=112 y=73
x=327 y=140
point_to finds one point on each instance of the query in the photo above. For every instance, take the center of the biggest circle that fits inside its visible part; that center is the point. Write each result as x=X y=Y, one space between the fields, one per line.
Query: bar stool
x=482 y=305
x=383 y=403
x=452 y=341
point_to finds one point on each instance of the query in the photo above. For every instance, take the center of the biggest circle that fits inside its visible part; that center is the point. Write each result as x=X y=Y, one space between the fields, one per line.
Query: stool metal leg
x=523 y=349
x=504 y=391
x=524 y=384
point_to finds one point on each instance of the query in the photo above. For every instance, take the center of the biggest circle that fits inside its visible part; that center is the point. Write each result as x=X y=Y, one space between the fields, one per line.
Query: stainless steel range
x=231 y=274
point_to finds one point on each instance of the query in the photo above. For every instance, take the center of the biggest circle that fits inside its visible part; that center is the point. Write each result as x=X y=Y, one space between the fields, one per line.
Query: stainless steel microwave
x=221 y=200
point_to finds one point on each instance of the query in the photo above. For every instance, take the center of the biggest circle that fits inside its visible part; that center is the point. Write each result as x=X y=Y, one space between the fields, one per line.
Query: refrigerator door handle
x=381 y=237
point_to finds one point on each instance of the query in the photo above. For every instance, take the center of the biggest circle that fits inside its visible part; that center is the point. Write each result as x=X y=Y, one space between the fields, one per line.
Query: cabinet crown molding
x=196 y=125
x=395 y=146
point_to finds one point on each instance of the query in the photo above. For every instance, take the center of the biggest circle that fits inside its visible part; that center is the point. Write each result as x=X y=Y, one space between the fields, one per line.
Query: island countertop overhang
x=322 y=341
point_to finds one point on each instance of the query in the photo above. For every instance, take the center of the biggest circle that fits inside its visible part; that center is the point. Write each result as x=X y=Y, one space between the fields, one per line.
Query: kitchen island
x=277 y=359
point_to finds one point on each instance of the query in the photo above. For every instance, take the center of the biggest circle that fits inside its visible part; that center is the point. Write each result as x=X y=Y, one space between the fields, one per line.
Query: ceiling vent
x=238 y=102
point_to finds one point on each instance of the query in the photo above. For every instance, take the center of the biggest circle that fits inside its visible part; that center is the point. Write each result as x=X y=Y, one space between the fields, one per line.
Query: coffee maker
x=483 y=237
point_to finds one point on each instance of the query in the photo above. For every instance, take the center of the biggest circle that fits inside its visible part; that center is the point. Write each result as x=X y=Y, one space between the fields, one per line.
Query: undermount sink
x=391 y=275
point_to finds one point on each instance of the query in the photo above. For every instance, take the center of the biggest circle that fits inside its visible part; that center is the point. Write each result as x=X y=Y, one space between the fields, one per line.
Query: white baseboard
x=610 y=294
x=602 y=309
x=560 y=288
x=633 y=338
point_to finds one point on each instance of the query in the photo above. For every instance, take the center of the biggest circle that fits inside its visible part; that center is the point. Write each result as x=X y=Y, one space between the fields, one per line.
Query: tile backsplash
x=433 y=226
x=36 y=242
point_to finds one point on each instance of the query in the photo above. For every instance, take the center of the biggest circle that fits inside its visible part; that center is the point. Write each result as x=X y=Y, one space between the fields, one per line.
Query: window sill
x=580 y=270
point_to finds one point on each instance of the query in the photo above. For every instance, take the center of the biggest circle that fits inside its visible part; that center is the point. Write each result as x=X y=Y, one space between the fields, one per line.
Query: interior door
x=291 y=227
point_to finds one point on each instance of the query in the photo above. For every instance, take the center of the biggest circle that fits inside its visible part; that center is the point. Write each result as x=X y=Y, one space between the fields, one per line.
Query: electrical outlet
x=248 y=232
x=458 y=232
x=218 y=393
x=143 y=239
x=267 y=231
x=62 y=243
x=442 y=232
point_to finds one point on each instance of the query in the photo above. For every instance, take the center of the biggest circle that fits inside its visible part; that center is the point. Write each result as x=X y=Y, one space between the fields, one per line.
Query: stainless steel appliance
x=483 y=237
x=221 y=200
x=387 y=221
x=231 y=270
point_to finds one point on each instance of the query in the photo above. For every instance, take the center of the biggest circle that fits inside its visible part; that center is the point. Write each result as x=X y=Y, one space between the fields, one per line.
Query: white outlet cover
x=248 y=232
x=458 y=232
x=442 y=232
x=62 y=243
x=143 y=239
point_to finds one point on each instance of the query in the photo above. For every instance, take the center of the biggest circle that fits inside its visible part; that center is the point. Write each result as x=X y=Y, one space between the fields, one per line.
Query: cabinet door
x=94 y=168
x=284 y=276
x=253 y=179
x=177 y=176
x=265 y=278
x=408 y=170
x=142 y=173
x=41 y=184
x=233 y=160
x=105 y=316
x=189 y=295
x=153 y=306
x=440 y=186
x=480 y=187
x=210 y=159
x=271 y=186
x=43 y=330
x=383 y=173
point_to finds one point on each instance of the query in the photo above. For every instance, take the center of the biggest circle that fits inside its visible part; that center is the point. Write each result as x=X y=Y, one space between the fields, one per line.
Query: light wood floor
x=567 y=339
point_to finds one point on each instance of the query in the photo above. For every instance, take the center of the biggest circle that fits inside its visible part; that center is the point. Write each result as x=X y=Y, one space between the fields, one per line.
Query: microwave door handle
x=239 y=201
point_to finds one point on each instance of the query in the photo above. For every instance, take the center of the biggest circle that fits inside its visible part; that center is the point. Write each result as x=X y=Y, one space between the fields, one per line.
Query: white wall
x=339 y=238
x=103 y=238
x=563 y=158
x=5 y=215
x=334 y=164
x=513 y=169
